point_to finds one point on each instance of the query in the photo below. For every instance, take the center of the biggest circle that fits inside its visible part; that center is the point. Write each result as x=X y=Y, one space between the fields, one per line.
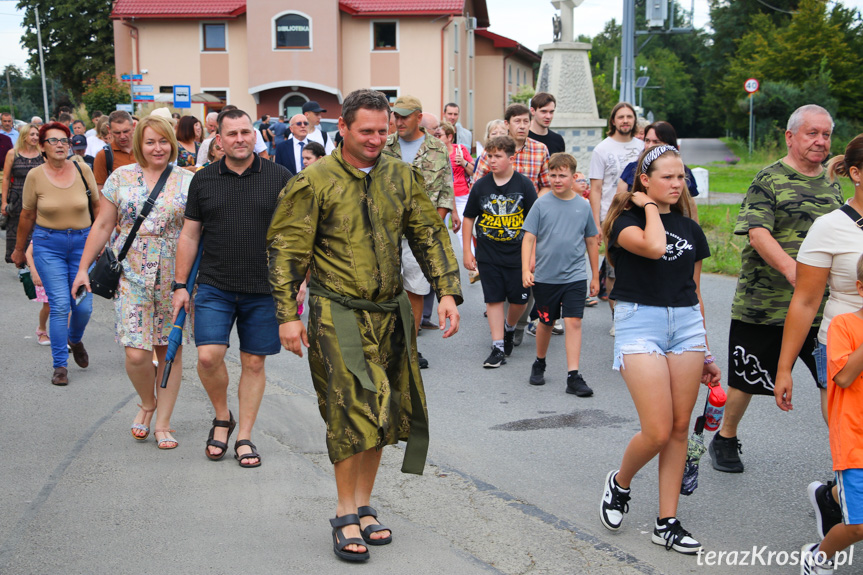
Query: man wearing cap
x=413 y=144
x=290 y=152
x=312 y=111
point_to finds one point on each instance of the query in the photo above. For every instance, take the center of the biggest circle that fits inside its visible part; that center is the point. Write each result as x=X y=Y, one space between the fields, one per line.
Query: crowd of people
x=358 y=225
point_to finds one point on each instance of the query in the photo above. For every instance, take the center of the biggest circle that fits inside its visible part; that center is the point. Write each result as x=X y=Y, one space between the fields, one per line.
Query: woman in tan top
x=57 y=201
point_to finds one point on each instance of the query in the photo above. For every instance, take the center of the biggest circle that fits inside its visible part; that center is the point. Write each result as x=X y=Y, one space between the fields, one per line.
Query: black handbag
x=105 y=275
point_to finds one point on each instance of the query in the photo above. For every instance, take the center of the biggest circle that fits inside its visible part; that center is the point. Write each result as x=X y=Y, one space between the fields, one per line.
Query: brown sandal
x=212 y=442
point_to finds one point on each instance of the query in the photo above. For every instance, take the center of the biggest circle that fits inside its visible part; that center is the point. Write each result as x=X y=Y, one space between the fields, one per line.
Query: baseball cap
x=79 y=143
x=407 y=105
x=312 y=106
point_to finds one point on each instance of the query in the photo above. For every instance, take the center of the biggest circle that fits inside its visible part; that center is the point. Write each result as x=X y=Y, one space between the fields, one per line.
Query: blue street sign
x=182 y=96
x=132 y=78
x=142 y=98
x=125 y=107
x=142 y=88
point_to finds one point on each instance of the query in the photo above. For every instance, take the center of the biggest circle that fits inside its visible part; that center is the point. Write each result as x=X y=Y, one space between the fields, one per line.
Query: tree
x=523 y=96
x=77 y=39
x=811 y=54
x=104 y=93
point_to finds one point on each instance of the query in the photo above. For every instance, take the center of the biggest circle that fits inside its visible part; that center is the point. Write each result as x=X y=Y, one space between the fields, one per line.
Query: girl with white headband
x=660 y=345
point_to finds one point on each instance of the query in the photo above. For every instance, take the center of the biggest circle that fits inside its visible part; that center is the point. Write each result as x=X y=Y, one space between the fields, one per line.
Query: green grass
x=735 y=179
x=718 y=221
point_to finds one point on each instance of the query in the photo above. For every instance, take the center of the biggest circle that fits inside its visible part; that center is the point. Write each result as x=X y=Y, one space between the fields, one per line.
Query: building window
x=392 y=94
x=214 y=37
x=293 y=32
x=385 y=35
x=292 y=105
x=510 y=73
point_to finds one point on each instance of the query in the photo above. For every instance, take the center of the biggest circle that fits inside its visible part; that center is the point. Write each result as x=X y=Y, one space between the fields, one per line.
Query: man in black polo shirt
x=233 y=200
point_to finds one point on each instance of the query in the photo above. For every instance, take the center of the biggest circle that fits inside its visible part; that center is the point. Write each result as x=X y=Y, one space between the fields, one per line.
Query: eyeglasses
x=582 y=181
x=301 y=123
x=55 y=141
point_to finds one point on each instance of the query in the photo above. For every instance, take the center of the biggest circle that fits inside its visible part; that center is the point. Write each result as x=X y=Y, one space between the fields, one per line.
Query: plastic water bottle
x=715 y=408
x=24 y=278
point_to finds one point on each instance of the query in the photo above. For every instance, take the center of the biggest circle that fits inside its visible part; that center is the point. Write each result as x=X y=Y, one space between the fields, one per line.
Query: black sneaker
x=576 y=385
x=813 y=562
x=423 y=362
x=537 y=373
x=508 y=339
x=724 y=453
x=673 y=536
x=496 y=359
x=827 y=513
x=615 y=502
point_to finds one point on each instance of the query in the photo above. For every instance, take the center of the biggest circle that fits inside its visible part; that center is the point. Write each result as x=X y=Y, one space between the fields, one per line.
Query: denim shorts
x=662 y=330
x=850 y=482
x=217 y=310
x=820 y=355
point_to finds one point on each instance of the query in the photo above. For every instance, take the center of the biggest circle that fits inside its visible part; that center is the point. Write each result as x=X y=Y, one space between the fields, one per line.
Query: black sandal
x=213 y=443
x=367 y=511
x=339 y=544
x=253 y=455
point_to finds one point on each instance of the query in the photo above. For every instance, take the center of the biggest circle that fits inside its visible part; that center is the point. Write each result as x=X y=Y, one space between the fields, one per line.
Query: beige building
x=271 y=56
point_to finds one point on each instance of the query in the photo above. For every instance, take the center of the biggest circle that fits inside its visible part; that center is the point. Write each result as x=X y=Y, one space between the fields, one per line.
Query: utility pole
x=627 y=78
x=41 y=63
x=9 y=89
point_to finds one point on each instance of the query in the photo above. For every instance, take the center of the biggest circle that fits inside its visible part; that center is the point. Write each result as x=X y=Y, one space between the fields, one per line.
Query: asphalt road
x=513 y=483
x=702 y=151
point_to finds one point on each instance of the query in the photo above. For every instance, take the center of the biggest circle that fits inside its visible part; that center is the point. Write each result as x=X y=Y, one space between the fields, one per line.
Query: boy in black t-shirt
x=499 y=203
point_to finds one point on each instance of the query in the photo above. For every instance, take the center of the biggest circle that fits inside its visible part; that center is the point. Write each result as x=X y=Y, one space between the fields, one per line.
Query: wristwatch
x=175 y=286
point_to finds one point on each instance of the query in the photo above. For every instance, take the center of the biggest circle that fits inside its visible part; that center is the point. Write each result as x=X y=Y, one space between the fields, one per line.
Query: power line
x=775 y=8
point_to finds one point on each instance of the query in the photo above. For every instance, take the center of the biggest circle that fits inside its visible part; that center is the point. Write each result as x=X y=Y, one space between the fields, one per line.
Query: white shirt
x=834 y=241
x=318 y=136
x=607 y=162
x=91 y=133
x=298 y=152
x=94 y=146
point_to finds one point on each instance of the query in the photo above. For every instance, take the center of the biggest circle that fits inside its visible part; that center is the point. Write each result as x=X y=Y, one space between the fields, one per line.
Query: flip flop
x=141 y=426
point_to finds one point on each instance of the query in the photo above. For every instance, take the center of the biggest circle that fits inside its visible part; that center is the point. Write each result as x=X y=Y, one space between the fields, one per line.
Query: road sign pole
x=132 y=91
x=751 y=124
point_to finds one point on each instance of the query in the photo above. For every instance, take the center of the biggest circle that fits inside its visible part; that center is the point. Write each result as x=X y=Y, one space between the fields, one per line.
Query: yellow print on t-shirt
x=502 y=217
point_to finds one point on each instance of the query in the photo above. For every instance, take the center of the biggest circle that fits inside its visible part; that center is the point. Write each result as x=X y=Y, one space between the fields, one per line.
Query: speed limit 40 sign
x=751 y=85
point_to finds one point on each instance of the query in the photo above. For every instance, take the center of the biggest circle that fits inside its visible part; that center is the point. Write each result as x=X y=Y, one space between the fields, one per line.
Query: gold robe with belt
x=346 y=227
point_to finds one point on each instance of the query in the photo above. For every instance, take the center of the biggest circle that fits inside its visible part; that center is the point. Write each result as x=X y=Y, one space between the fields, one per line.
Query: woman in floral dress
x=143 y=300
x=18 y=163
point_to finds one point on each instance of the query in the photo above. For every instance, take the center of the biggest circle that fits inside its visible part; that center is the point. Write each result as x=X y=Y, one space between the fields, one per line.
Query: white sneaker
x=558 y=327
x=673 y=536
x=813 y=563
x=611 y=331
x=615 y=502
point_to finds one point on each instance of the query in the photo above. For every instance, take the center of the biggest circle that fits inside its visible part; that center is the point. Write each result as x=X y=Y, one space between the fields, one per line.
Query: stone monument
x=565 y=73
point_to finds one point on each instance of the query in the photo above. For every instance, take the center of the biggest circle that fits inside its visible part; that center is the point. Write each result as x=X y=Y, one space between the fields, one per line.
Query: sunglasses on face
x=55 y=141
x=301 y=123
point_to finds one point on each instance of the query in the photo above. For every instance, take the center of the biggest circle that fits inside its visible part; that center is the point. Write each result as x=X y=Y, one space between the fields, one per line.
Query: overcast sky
x=528 y=22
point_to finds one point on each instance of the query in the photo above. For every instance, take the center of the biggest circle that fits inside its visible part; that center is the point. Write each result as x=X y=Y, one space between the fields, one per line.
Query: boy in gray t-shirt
x=558 y=231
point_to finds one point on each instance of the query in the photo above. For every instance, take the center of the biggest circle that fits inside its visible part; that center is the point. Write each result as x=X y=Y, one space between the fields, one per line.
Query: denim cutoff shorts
x=642 y=328
x=820 y=355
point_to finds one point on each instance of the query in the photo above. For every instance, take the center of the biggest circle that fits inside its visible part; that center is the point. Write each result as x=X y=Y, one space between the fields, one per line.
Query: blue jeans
x=57 y=254
x=649 y=329
x=255 y=315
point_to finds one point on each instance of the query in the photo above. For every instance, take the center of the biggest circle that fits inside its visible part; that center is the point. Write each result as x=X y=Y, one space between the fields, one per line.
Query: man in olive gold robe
x=342 y=219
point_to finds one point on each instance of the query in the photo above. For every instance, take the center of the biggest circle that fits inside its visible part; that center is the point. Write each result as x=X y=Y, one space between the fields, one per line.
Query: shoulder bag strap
x=109 y=159
x=145 y=211
x=852 y=213
x=87 y=189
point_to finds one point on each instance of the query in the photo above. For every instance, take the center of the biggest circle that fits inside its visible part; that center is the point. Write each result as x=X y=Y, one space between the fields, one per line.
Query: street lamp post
x=41 y=63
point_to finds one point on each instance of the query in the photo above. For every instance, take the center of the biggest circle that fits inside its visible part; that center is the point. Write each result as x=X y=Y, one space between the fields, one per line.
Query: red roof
x=401 y=7
x=503 y=42
x=173 y=9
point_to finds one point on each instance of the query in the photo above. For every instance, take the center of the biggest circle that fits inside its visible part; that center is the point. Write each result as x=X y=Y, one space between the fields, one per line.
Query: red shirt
x=459 y=178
